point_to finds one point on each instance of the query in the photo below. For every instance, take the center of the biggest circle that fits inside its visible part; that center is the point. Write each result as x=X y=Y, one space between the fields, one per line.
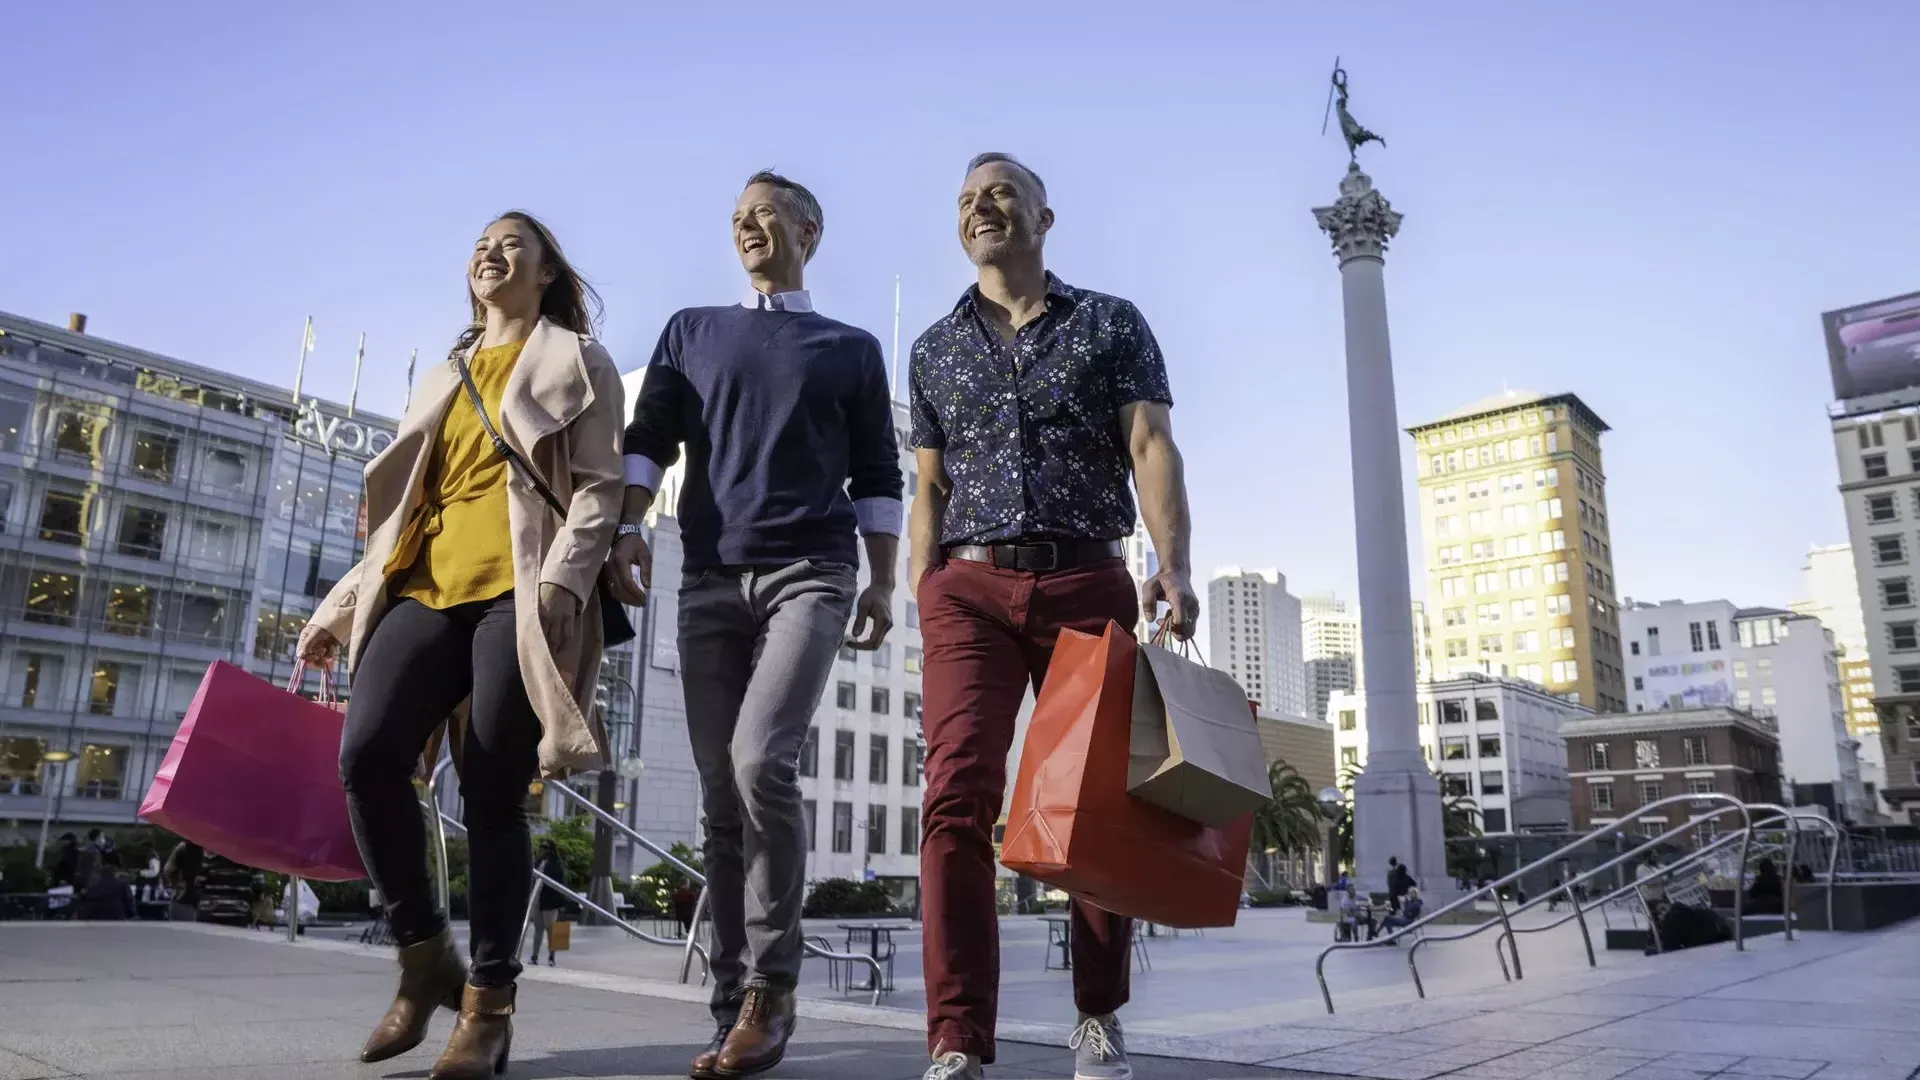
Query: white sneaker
x=1100 y=1050
x=954 y=1066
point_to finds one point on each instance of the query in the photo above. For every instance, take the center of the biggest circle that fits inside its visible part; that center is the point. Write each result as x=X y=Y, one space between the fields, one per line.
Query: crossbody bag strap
x=514 y=460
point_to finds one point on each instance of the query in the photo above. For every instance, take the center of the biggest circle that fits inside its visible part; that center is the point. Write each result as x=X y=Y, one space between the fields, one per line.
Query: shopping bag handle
x=328 y=695
x=1184 y=647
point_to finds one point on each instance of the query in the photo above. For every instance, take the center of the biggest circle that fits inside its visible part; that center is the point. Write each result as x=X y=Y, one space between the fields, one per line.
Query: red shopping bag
x=1072 y=823
x=254 y=775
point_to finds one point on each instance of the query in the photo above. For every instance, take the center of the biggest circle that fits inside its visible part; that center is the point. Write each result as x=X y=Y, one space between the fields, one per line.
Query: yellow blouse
x=458 y=547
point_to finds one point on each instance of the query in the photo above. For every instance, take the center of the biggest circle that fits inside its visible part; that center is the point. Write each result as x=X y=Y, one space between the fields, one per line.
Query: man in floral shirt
x=1032 y=403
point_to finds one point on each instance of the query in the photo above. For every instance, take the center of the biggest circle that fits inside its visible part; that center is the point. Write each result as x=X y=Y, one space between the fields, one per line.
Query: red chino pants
x=987 y=634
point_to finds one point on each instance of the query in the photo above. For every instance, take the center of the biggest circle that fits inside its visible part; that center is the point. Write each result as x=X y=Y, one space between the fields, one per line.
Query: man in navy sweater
x=788 y=425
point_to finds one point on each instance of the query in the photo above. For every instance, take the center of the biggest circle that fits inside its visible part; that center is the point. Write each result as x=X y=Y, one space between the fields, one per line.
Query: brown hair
x=567 y=300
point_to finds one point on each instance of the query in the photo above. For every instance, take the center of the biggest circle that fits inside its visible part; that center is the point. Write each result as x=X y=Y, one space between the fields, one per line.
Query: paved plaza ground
x=159 y=1000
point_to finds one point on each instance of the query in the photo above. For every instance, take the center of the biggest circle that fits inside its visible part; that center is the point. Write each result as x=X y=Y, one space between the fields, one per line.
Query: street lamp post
x=600 y=888
x=50 y=764
x=1331 y=800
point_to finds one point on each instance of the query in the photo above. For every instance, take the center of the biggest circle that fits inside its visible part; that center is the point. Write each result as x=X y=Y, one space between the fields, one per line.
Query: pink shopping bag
x=254 y=775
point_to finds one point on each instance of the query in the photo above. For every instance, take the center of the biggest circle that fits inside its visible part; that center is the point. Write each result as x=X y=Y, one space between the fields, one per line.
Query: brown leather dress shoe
x=431 y=976
x=482 y=1038
x=759 y=1038
x=705 y=1064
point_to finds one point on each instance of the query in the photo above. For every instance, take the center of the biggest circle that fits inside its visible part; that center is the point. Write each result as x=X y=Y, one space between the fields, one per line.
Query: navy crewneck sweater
x=787 y=422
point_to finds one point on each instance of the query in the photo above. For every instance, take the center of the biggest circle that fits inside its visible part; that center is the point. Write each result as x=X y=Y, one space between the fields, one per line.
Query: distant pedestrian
x=67 y=863
x=551 y=901
x=1399 y=880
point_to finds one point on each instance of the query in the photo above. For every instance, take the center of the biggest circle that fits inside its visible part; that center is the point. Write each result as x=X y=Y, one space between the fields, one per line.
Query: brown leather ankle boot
x=481 y=1038
x=431 y=976
x=759 y=1038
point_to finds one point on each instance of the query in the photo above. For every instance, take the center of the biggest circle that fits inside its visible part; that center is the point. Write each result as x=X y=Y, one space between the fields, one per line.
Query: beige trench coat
x=563 y=410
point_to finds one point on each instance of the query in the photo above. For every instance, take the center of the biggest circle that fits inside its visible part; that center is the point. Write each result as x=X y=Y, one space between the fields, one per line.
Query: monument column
x=1397 y=797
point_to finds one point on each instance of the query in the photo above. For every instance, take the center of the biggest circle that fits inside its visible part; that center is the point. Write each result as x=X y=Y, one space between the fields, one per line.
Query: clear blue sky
x=1648 y=204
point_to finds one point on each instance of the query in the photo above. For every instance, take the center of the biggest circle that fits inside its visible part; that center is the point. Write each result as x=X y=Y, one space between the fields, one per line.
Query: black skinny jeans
x=418 y=666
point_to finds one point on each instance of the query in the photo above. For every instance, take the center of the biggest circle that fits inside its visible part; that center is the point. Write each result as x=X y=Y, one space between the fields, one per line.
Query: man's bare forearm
x=1160 y=477
x=634 y=507
x=883 y=557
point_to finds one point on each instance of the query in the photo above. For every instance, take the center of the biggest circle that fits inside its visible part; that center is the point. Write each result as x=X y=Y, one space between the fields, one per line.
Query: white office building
x=1330 y=646
x=1771 y=663
x=1253 y=626
x=1496 y=740
x=1832 y=595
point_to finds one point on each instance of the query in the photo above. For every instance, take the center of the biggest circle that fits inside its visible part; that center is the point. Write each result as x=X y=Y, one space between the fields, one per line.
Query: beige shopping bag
x=1195 y=750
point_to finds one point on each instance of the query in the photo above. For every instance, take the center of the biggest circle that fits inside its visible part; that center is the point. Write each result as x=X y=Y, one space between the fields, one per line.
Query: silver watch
x=628 y=528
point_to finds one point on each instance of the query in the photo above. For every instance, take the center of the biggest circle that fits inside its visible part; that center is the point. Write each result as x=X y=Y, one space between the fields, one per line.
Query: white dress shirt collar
x=796 y=300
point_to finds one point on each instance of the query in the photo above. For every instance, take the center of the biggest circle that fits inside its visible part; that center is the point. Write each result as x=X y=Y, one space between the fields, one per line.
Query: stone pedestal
x=1397 y=798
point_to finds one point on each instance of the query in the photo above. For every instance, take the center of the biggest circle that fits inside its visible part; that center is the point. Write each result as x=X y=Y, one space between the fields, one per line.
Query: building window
x=913 y=758
x=1767 y=696
x=1903 y=636
x=882 y=700
x=63 y=518
x=1453 y=748
x=1565 y=671
x=849 y=654
x=1896 y=592
x=79 y=436
x=809 y=812
x=1881 y=508
x=1494 y=820
x=1601 y=795
x=1489 y=746
x=1526 y=641
x=909 y=831
x=101 y=772
x=810 y=753
x=877 y=759
x=1696 y=637
x=1349 y=757
x=876 y=830
x=155 y=455
x=1693 y=750
x=1873 y=466
x=914 y=661
x=842 y=828
x=1646 y=753
x=1493 y=782
x=910 y=706
x=1453 y=712
x=103 y=691
x=1889 y=550
x=1455 y=784
x=1700 y=785
x=843 y=755
x=1650 y=792
x=883 y=656
x=1639 y=683
x=1485 y=709
x=143 y=532
x=1713 y=635
x=129 y=610
x=913 y=620
x=845 y=695
x=52 y=598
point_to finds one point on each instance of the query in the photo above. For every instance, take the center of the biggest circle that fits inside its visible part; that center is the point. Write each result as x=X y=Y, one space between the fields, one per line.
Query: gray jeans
x=757 y=645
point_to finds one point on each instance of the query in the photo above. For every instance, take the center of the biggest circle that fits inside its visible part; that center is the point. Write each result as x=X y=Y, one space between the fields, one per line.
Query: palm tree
x=1288 y=825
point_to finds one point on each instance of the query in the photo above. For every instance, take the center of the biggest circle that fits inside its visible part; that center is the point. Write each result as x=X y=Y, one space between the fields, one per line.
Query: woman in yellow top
x=476 y=603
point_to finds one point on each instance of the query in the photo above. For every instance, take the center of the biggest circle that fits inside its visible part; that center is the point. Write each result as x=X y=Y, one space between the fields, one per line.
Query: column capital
x=1361 y=222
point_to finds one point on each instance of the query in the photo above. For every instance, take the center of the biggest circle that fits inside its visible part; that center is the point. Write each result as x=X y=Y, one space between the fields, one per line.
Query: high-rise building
x=1253 y=626
x=1494 y=740
x=1330 y=644
x=1519 y=557
x=1876 y=442
x=1833 y=597
x=1780 y=667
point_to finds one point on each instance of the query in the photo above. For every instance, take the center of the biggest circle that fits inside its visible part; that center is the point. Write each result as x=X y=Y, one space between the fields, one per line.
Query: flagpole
x=359 y=354
x=408 y=403
x=896 y=337
x=300 y=371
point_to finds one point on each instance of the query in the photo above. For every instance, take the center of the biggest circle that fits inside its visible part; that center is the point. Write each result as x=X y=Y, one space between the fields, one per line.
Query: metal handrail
x=616 y=920
x=1503 y=941
x=1500 y=907
x=1649 y=844
x=879 y=981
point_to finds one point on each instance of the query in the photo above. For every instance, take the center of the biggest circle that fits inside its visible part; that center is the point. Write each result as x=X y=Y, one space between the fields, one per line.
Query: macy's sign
x=339 y=435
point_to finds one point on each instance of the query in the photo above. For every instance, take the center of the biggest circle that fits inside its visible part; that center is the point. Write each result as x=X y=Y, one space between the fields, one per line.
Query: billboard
x=1690 y=684
x=1874 y=348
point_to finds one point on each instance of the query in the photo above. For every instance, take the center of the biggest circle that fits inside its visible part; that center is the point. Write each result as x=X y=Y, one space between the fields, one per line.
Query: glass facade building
x=157 y=517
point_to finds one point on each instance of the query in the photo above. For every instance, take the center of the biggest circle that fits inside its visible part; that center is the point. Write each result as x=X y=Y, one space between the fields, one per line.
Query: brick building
x=1621 y=762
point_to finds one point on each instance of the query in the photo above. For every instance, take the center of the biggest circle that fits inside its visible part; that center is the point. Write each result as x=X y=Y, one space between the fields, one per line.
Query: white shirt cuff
x=643 y=471
x=878 y=516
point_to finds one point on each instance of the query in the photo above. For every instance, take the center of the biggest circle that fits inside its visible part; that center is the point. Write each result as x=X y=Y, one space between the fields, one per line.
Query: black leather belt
x=1037 y=556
